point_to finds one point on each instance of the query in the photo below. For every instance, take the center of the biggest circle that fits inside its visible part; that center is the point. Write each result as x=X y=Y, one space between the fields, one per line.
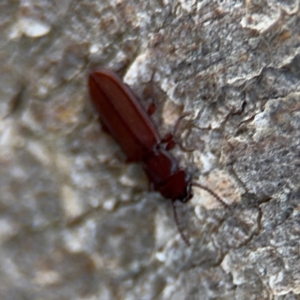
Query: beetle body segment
x=162 y=170
x=122 y=114
x=132 y=128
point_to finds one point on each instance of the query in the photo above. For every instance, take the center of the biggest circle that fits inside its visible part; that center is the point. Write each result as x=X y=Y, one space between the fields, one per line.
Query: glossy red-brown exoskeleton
x=125 y=119
x=129 y=124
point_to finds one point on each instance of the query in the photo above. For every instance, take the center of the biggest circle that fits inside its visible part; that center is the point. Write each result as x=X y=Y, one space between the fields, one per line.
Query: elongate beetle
x=125 y=119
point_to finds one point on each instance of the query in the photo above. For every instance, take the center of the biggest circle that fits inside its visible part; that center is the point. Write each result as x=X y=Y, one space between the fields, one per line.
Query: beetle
x=122 y=115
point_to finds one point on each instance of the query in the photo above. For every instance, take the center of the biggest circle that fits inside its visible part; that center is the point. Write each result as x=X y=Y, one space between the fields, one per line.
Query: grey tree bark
x=77 y=222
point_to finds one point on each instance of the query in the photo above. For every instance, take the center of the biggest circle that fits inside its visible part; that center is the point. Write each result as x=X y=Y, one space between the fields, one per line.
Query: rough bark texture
x=77 y=222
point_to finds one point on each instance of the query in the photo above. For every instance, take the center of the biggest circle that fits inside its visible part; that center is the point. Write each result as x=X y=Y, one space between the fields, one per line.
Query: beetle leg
x=170 y=139
x=183 y=236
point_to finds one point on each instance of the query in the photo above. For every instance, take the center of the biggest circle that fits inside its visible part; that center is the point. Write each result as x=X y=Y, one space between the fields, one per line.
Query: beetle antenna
x=218 y=198
x=183 y=236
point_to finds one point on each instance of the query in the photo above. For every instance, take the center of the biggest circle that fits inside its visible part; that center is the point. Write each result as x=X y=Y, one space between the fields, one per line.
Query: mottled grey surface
x=77 y=222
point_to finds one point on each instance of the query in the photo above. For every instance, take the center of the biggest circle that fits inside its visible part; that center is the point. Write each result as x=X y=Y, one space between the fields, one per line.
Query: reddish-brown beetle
x=125 y=119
